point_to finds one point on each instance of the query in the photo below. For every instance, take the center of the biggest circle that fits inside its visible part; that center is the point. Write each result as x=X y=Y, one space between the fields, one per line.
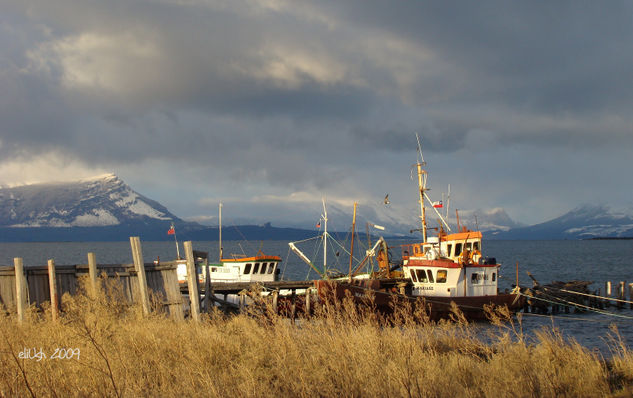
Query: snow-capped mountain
x=94 y=202
x=583 y=222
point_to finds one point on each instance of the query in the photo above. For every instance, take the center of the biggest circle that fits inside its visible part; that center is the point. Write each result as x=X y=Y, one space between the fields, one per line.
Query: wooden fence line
x=38 y=284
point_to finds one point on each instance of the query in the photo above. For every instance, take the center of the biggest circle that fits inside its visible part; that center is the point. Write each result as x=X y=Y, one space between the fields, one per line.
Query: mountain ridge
x=106 y=208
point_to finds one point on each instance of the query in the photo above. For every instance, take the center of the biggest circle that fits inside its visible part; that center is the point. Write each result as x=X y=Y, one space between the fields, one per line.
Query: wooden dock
x=24 y=286
x=238 y=287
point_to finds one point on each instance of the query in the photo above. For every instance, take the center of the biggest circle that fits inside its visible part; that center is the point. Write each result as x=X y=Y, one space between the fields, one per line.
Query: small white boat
x=259 y=268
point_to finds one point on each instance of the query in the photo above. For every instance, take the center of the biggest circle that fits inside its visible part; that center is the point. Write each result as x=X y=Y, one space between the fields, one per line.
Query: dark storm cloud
x=256 y=88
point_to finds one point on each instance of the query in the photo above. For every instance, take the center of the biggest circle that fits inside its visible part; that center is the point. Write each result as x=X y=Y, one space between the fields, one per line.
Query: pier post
x=276 y=298
x=631 y=295
x=192 y=281
x=20 y=288
x=52 y=281
x=308 y=300
x=94 y=278
x=137 y=255
x=293 y=306
x=242 y=301
x=621 y=294
x=208 y=292
x=607 y=293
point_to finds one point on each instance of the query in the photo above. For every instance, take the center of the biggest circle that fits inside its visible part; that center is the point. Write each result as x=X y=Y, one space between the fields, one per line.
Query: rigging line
x=578 y=305
x=305 y=240
x=591 y=295
x=341 y=246
x=283 y=273
x=240 y=232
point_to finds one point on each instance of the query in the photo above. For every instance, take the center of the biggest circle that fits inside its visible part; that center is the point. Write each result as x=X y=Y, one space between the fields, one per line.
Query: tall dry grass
x=342 y=351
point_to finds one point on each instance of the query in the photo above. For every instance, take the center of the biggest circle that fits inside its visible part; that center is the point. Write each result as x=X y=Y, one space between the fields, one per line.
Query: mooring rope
x=572 y=304
x=590 y=295
x=571 y=318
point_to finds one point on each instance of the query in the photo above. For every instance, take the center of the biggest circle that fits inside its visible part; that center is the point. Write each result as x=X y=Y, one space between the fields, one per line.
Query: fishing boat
x=236 y=268
x=440 y=272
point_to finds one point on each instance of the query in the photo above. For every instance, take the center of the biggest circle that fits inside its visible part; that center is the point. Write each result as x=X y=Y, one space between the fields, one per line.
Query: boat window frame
x=430 y=276
x=458 y=249
x=422 y=272
x=247 y=268
x=449 y=247
x=256 y=269
x=494 y=276
x=476 y=245
x=412 y=275
x=271 y=268
x=262 y=270
x=439 y=279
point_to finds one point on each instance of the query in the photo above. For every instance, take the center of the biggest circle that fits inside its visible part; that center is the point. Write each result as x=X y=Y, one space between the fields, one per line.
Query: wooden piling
x=607 y=293
x=139 y=265
x=192 y=281
x=94 y=278
x=621 y=294
x=242 y=303
x=20 y=288
x=208 y=292
x=307 y=306
x=276 y=301
x=293 y=307
x=52 y=282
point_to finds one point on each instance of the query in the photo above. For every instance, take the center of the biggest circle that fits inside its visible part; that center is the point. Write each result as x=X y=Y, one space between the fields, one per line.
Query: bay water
x=591 y=260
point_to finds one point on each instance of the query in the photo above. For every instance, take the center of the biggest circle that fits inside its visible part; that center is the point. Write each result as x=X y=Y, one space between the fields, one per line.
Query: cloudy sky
x=269 y=105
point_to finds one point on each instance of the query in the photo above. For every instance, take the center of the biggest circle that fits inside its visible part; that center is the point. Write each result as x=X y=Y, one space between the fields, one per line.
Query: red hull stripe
x=414 y=262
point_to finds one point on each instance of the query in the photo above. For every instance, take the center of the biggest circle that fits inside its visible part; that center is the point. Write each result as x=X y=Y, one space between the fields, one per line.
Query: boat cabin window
x=476 y=278
x=271 y=268
x=458 y=249
x=413 y=277
x=430 y=275
x=469 y=246
x=448 y=250
x=422 y=276
x=256 y=268
x=441 y=276
x=263 y=269
x=416 y=249
x=247 y=268
x=494 y=276
x=476 y=245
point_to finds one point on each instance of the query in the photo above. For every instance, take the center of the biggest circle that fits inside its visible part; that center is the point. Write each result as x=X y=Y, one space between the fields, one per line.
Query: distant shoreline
x=612 y=238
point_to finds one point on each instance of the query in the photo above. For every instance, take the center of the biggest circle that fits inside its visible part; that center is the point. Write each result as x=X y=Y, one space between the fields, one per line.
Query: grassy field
x=107 y=348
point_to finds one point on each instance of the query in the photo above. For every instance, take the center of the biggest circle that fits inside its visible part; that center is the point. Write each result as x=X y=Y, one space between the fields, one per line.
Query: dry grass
x=340 y=352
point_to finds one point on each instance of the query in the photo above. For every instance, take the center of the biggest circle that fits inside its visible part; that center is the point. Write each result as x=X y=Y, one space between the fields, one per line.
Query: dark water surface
x=596 y=261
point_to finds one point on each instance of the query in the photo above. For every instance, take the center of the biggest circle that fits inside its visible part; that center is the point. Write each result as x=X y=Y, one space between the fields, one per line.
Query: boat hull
x=385 y=297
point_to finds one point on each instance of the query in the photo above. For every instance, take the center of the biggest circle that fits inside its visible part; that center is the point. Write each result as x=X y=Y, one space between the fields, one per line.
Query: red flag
x=171 y=231
x=438 y=205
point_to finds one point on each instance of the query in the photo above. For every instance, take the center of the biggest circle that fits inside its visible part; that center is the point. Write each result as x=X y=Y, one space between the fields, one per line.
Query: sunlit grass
x=341 y=351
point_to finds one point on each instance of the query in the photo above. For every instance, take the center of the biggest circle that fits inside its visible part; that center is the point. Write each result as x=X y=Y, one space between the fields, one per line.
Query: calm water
x=596 y=261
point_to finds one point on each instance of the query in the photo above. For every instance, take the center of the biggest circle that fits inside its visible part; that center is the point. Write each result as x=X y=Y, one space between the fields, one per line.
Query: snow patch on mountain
x=98 y=217
x=91 y=202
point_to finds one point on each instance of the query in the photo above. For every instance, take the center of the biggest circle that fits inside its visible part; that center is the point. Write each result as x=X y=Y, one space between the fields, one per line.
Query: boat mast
x=351 y=252
x=175 y=240
x=422 y=185
x=220 y=231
